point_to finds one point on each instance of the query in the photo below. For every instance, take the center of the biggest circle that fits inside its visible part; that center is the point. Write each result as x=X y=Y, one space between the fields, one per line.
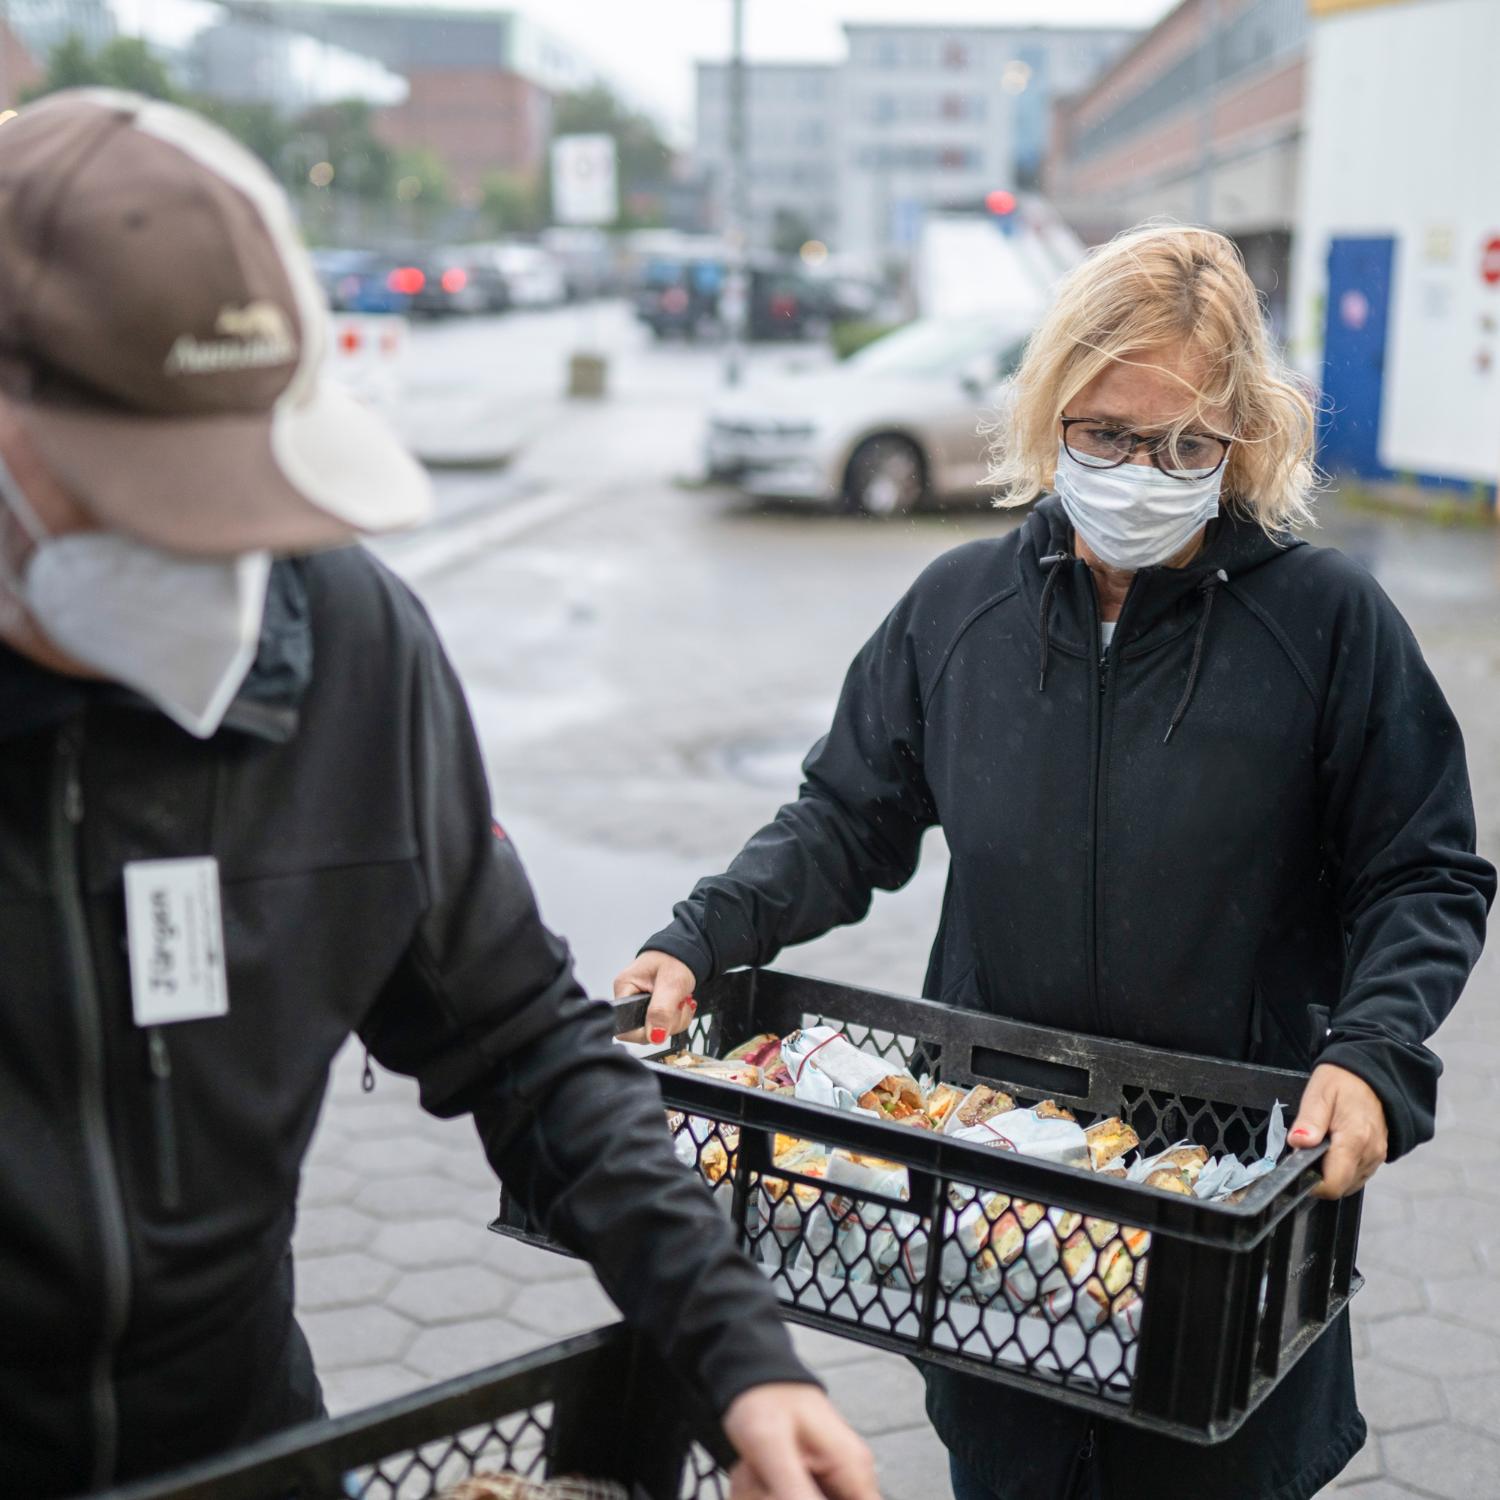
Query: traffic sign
x=1489 y=261
x=585 y=189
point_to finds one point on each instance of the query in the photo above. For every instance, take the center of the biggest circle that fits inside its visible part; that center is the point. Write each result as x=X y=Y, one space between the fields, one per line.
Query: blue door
x=1359 y=295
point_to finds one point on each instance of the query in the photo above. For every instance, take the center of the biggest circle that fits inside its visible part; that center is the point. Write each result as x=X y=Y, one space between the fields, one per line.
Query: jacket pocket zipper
x=164 y=1119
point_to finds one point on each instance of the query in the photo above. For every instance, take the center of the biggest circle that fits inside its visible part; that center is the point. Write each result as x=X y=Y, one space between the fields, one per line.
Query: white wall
x=1402 y=138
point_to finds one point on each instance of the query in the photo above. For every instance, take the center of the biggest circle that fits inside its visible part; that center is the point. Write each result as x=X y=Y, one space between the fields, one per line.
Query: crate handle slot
x=1030 y=1075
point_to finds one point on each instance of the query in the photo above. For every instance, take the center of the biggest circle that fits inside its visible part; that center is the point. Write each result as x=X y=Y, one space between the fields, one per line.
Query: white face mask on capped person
x=180 y=631
x=1134 y=516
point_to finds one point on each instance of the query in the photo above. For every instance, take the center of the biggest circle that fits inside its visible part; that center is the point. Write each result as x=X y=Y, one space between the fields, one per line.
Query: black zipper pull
x=168 y=1175
x=367 y=1078
x=68 y=746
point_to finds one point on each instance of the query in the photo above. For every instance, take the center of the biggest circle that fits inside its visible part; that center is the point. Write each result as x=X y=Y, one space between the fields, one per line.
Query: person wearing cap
x=243 y=815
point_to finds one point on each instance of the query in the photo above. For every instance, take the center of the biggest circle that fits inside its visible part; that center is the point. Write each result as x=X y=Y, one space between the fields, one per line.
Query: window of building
x=955 y=55
x=956 y=159
x=953 y=107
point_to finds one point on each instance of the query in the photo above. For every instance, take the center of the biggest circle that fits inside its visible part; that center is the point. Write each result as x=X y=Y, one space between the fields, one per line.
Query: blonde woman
x=1200 y=789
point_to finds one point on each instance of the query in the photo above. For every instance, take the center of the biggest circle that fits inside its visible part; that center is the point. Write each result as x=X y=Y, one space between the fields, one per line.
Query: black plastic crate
x=1235 y=1293
x=599 y=1406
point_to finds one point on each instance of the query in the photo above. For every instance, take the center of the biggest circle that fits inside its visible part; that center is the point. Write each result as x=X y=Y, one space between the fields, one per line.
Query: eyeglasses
x=1098 y=444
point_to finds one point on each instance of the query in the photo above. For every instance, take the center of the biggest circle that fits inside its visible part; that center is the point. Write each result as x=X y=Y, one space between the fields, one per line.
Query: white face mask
x=1134 y=516
x=181 y=631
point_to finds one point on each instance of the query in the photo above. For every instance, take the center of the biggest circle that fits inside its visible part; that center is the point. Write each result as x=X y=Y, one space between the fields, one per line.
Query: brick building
x=1200 y=121
x=481 y=82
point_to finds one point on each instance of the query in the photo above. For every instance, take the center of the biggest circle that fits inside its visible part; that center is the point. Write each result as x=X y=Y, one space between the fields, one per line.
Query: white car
x=893 y=426
x=535 y=276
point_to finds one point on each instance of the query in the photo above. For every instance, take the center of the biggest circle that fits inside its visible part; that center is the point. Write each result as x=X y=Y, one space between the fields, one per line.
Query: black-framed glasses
x=1100 y=444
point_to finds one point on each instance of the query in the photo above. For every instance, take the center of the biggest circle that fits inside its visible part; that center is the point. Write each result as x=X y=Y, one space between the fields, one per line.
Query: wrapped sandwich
x=764 y=1053
x=940 y=1103
x=981 y=1103
x=827 y=1068
x=1108 y=1141
x=747 y=1075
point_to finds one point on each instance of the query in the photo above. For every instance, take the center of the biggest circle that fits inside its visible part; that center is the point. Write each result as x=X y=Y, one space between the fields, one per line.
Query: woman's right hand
x=670 y=984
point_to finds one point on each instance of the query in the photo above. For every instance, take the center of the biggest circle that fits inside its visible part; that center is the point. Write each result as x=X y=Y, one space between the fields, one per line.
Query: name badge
x=175 y=931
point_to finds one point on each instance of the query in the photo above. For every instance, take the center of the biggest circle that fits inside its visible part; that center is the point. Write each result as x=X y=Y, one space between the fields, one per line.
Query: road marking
x=446 y=549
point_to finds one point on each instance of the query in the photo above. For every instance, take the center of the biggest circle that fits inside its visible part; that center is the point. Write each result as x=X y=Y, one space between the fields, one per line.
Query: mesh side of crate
x=1039 y=1289
x=1161 y=1119
x=702 y=1478
x=989 y=1279
x=513 y=1444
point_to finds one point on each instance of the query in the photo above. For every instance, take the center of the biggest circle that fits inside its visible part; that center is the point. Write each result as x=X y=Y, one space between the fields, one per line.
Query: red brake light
x=406 y=280
x=455 y=279
x=1000 y=202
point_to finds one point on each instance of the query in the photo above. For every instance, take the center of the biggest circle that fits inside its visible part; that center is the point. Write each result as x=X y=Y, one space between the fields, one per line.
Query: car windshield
x=937 y=347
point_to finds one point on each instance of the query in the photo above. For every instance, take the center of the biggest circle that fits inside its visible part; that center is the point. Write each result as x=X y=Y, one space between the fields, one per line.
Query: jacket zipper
x=67 y=825
x=1103 y=706
x=168 y=1175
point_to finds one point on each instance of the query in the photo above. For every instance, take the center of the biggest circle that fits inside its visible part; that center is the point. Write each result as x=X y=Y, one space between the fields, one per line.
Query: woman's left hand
x=1342 y=1106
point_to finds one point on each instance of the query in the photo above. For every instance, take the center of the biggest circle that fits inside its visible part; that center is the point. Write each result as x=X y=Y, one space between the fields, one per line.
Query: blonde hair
x=1155 y=287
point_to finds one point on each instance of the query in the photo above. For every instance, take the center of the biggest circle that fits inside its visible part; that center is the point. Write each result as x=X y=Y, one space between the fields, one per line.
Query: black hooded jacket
x=148 y=1180
x=1245 y=830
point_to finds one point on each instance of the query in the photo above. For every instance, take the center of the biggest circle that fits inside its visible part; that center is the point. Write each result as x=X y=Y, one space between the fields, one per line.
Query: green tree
x=258 y=126
x=421 y=177
x=126 y=62
x=645 y=159
x=790 y=232
x=343 y=135
x=512 y=204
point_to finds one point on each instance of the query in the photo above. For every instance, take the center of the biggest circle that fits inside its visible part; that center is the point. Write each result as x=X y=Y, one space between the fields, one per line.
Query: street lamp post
x=734 y=298
x=1208 y=77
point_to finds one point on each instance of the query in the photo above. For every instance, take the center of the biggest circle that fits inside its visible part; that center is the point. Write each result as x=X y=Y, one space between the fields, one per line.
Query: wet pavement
x=647 y=662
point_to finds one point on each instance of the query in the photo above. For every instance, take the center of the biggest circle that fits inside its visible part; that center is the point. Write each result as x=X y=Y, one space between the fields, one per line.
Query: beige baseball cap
x=162 y=337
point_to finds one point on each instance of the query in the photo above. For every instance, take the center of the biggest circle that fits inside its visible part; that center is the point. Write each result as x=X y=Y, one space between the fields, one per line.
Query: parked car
x=892 y=427
x=680 y=295
x=684 y=295
x=359 y=281
x=444 y=283
x=587 y=260
x=533 y=276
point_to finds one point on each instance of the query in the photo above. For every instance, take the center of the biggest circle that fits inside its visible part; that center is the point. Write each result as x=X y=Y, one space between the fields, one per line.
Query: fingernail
x=658 y=1033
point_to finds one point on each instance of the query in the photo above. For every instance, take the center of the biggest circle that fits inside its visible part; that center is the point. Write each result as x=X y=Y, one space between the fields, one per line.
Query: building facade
x=249 y=61
x=1201 y=122
x=935 y=118
x=917 y=118
x=791 y=125
x=480 y=82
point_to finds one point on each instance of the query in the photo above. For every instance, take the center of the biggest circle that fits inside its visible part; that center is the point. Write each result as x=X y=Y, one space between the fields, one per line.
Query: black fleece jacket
x=1253 y=806
x=1245 y=830
x=148 y=1190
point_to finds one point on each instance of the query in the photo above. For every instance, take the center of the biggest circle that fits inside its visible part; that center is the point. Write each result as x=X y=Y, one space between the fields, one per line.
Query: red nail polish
x=658 y=1034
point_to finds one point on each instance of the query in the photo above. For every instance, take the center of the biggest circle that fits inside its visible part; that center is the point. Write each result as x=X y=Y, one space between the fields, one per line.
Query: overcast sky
x=650 y=45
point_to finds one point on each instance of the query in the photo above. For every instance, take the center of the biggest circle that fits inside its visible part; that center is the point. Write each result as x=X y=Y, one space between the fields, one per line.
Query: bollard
x=588 y=375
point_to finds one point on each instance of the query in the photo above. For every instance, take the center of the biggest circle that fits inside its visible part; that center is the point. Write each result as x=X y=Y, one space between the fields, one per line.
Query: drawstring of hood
x=1053 y=563
x=1209 y=588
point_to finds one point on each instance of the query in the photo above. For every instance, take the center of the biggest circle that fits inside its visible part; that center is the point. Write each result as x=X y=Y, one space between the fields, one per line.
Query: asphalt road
x=646 y=663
